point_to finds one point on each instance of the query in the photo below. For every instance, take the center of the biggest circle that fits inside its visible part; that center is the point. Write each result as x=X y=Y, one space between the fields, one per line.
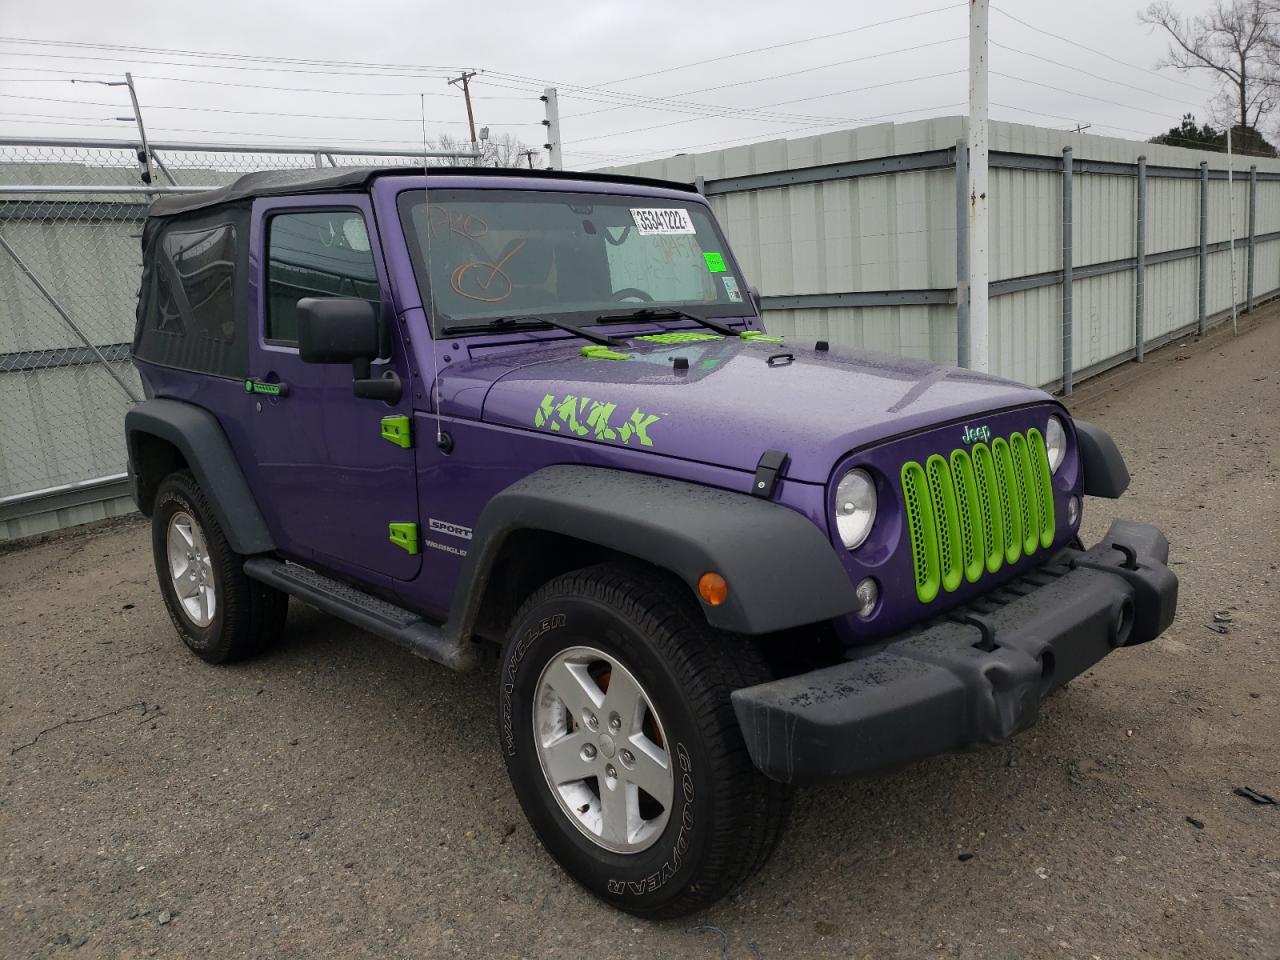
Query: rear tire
x=687 y=839
x=221 y=614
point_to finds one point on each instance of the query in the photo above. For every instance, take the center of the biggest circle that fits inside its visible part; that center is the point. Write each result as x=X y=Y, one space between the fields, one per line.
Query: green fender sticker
x=715 y=262
x=679 y=336
x=598 y=351
x=583 y=416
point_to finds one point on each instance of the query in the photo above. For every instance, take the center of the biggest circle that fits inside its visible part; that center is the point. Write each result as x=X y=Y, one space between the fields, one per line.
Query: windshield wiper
x=668 y=313
x=526 y=322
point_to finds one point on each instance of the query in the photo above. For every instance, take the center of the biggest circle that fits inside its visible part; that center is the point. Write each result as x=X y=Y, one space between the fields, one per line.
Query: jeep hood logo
x=583 y=416
x=975 y=434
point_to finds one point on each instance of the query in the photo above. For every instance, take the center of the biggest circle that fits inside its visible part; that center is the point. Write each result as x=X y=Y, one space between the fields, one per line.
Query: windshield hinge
x=397 y=430
x=404 y=536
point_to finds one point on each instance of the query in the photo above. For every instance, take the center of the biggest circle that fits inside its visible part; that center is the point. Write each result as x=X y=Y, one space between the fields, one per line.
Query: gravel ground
x=340 y=798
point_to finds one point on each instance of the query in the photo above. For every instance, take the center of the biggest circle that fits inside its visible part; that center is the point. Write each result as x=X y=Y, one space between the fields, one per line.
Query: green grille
x=1043 y=484
x=923 y=530
x=972 y=532
x=977 y=511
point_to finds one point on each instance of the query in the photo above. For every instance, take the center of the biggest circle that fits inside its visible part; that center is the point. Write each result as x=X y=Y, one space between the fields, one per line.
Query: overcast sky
x=588 y=50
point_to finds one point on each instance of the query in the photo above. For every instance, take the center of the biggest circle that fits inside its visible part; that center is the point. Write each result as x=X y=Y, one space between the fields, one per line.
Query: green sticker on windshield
x=715 y=262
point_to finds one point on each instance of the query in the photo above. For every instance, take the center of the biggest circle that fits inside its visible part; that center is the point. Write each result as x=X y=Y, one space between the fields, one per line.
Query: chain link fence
x=71 y=218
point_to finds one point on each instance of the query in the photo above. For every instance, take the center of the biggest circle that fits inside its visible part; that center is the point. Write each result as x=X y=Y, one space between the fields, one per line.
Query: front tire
x=221 y=614
x=622 y=745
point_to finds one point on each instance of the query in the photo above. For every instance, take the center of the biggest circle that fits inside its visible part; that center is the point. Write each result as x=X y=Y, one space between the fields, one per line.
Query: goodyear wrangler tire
x=221 y=614
x=622 y=746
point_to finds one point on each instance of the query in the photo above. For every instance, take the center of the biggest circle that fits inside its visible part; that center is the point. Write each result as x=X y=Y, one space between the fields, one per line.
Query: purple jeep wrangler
x=539 y=413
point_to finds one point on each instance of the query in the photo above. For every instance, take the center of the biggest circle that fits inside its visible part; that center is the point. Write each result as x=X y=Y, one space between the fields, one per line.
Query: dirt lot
x=342 y=799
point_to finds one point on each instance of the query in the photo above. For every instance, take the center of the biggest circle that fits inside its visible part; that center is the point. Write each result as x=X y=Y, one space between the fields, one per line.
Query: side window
x=315 y=254
x=195 y=284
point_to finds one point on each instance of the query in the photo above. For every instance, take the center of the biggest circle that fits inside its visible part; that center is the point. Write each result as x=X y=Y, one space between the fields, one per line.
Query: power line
x=779 y=133
x=246 y=86
x=1076 y=69
x=1145 y=137
x=58 y=116
x=209 y=54
x=778 y=46
x=425 y=74
x=708 y=110
x=732 y=114
x=1094 y=50
x=597 y=94
x=263 y=113
x=775 y=76
x=1058 y=88
x=79 y=103
x=1059 y=116
x=712 y=110
x=398 y=144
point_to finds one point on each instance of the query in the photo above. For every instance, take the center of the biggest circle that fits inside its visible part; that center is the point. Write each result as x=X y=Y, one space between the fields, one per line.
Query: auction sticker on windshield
x=661 y=220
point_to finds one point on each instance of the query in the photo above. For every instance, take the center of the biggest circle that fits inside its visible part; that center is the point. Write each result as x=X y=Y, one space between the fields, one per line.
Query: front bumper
x=974 y=677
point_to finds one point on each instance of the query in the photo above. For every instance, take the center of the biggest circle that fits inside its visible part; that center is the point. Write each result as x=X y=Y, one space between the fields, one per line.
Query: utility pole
x=528 y=155
x=465 y=80
x=144 y=153
x=552 y=123
x=979 y=337
x=1231 y=242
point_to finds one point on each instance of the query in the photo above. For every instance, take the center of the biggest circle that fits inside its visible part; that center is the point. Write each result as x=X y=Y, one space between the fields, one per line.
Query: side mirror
x=337 y=330
x=755 y=299
x=344 y=330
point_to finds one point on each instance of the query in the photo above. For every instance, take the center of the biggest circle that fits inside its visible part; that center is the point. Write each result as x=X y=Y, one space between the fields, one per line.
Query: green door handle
x=268 y=389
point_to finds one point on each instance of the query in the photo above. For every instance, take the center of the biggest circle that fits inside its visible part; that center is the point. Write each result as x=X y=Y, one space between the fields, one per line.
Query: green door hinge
x=397 y=430
x=404 y=536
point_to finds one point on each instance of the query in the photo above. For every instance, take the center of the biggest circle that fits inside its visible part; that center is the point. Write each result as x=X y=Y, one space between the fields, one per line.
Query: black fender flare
x=781 y=569
x=1105 y=473
x=198 y=436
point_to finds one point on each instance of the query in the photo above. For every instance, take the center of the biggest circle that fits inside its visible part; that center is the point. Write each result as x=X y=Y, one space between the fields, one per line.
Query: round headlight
x=855 y=507
x=1055 y=443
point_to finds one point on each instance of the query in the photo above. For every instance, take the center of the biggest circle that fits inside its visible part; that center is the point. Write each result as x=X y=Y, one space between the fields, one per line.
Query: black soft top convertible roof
x=273 y=183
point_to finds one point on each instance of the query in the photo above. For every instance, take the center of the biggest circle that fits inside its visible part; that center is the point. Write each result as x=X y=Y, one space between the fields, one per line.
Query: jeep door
x=335 y=473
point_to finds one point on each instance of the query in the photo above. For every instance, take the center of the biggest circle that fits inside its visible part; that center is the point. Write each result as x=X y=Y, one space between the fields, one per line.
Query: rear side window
x=198 y=291
x=315 y=254
x=191 y=304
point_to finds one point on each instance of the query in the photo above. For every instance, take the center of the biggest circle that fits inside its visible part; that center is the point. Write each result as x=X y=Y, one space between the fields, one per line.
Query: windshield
x=504 y=253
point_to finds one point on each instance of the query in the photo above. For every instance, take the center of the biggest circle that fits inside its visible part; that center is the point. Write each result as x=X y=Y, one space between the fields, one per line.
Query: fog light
x=1073 y=510
x=868 y=594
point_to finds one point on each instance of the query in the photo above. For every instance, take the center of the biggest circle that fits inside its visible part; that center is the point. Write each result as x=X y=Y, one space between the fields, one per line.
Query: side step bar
x=365 y=611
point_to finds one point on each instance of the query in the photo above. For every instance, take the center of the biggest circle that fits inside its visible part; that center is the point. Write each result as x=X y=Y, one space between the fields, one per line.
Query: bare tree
x=504 y=150
x=1235 y=42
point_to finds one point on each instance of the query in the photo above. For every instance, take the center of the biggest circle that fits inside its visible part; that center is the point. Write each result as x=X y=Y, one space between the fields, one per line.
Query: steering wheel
x=631 y=293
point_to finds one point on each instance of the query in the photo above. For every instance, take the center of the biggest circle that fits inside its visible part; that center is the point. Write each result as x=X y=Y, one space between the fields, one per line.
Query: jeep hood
x=735 y=400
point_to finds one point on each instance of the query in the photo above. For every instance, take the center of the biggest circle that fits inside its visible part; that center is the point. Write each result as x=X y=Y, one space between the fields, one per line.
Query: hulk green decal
x=584 y=416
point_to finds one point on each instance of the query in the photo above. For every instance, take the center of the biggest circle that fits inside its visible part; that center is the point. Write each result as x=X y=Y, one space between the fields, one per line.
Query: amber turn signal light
x=712 y=588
